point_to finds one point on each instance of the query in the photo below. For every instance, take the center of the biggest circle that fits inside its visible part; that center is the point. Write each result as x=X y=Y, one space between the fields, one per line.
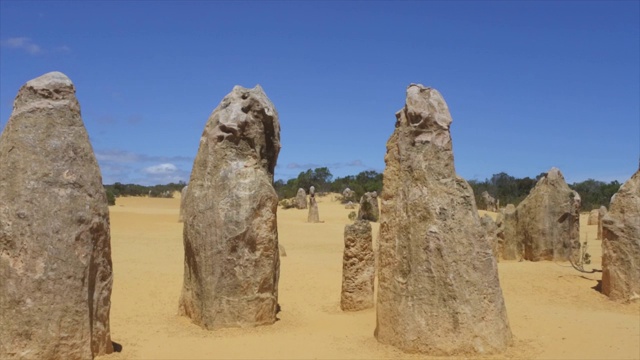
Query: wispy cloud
x=129 y=167
x=117 y=156
x=337 y=165
x=162 y=174
x=161 y=179
x=63 y=48
x=355 y=163
x=22 y=43
x=303 y=166
x=27 y=45
x=161 y=169
x=121 y=156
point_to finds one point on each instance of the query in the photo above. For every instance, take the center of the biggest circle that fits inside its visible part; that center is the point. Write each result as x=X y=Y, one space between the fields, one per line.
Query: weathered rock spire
x=55 y=252
x=438 y=289
x=230 y=231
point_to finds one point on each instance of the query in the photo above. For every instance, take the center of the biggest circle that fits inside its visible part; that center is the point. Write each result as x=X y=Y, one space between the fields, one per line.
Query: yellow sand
x=554 y=311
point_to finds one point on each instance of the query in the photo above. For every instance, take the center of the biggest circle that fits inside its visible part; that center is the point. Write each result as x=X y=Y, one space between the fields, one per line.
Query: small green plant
x=352 y=215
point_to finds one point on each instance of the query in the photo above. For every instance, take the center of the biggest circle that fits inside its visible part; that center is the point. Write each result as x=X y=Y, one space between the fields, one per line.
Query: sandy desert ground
x=554 y=311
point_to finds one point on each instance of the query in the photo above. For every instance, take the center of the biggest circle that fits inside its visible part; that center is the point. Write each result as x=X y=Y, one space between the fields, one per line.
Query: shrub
x=287 y=203
x=111 y=197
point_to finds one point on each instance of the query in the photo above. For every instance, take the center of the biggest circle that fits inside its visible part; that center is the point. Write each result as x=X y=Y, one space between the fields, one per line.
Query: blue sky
x=530 y=85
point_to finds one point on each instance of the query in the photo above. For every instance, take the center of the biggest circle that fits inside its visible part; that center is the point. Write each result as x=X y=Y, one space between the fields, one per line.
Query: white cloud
x=122 y=156
x=162 y=169
x=134 y=168
x=22 y=43
x=117 y=156
x=162 y=179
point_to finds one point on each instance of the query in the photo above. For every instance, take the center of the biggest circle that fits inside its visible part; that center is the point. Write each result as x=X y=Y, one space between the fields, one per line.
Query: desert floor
x=554 y=311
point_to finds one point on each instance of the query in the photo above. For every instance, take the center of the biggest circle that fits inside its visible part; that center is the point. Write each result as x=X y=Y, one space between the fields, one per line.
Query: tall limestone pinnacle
x=621 y=243
x=548 y=220
x=438 y=290
x=55 y=252
x=230 y=234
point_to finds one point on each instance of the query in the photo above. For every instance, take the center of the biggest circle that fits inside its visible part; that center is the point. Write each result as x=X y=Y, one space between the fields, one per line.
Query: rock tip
x=420 y=87
x=242 y=88
x=51 y=79
x=554 y=173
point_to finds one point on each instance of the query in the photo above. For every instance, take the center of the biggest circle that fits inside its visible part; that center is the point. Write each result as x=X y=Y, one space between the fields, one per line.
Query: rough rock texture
x=183 y=197
x=314 y=216
x=358 y=267
x=348 y=195
x=490 y=203
x=549 y=219
x=438 y=287
x=491 y=231
x=369 y=207
x=350 y=205
x=621 y=243
x=507 y=223
x=230 y=232
x=593 y=217
x=301 y=199
x=55 y=251
x=601 y=213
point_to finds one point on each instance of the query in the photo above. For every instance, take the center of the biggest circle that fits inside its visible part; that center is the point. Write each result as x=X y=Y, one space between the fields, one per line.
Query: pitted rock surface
x=438 y=287
x=348 y=195
x=511 y=249
x=314 y=215
x=301 y=199
x=548 y=225
x=491 y=231
x=490 y=203
x=55 y=252
x=358 y=267
x=601 y=213
x=183 y=197
x=230 y=231
x=593 y=217
x=369 y=209
x=621 y=243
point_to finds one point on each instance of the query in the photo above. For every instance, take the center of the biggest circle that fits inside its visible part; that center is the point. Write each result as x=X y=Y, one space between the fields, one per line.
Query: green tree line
x=511 y=190
x=164 y=191
x=502 y=186
x=322 y=180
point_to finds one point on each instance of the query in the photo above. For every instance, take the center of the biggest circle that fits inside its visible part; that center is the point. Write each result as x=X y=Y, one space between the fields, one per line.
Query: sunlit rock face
x=438 y=287
x=55 y=245
x=230 y=229
x=621 y=243
x=358 y=267
x=548 y=220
